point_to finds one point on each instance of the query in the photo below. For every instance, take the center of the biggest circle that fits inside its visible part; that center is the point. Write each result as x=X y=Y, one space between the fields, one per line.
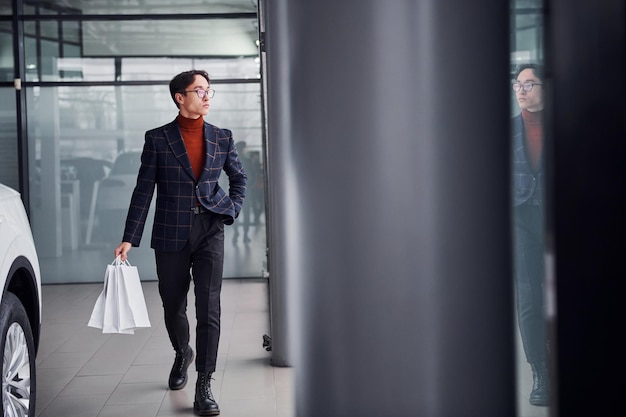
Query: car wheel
x=18 y=363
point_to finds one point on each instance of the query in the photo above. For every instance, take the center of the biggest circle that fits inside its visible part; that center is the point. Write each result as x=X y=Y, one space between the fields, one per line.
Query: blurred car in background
x=20 y=311
x=113 y=197
x=87 y=171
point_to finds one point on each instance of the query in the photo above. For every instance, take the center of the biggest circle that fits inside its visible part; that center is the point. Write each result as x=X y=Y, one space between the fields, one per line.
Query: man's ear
x=179 y=98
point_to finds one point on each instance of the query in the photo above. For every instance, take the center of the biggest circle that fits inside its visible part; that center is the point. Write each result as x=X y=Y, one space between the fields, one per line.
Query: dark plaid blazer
x=165 y=164
x=527 y=184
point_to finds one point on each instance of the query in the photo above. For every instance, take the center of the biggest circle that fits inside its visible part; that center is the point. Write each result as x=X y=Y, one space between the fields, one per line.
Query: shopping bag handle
x=118 y=261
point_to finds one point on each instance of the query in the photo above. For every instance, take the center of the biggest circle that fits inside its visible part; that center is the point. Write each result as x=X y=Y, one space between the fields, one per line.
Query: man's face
x=530 y=100
x=192 y=106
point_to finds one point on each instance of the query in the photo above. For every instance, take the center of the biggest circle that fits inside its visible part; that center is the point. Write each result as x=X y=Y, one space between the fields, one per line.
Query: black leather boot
x=204 y=403
x=540 y=394
x=178 y=374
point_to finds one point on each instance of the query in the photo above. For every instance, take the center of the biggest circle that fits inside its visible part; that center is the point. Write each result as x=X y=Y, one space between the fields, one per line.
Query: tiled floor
x=84 y=373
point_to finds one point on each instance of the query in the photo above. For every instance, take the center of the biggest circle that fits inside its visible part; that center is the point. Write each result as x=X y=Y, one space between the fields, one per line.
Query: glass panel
x=80 y=69
x=49 y=30
x=72 y=68
x=5 y=7
x=71 y=51
x=42 y=58
x=150 y=6
x=230 y=53
x=523 y=4
x=210 y=38
x=78 y=143
x=6 y=52
x=528 y=38
x=160 y=68
x=237 y=107
x=31 y=59
x=49 y=60
x=30 y=28
x=9 y=168
x=71 y=32
x=242 y=67
x=528 y=169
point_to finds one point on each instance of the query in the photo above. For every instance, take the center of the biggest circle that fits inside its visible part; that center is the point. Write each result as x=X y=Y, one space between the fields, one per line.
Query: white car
x=20 y=310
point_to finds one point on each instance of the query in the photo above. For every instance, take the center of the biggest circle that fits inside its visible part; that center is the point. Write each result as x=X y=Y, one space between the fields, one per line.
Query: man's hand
x=122 y=250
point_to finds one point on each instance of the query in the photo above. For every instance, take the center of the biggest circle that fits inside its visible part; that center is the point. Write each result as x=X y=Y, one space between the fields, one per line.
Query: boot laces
x=205 y=386
x=181 y=358
x=539 y=378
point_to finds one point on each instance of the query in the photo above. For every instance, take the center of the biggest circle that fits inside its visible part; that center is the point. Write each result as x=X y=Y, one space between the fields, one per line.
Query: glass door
x=97 y=78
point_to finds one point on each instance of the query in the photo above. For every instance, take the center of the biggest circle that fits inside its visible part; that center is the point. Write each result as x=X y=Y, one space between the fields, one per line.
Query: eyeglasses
x=209 y=92
x=527 y=86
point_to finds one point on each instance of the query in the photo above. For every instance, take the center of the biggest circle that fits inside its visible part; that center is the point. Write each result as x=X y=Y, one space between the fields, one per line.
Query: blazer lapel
x=519 y=148
x=175 y=140
x=210 y=140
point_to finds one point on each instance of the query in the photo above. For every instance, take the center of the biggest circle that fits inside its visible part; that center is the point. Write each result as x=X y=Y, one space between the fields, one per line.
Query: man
x=184 y=159
x=528 y=183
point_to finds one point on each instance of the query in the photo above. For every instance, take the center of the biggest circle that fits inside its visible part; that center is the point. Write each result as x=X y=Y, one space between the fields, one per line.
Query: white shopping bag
x=120 y=307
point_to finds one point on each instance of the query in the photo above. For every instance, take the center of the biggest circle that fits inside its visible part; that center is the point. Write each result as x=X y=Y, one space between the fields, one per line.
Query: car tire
x=18 y=365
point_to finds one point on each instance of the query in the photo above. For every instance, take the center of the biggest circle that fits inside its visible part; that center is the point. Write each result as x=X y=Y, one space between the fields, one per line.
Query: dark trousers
x=202 y=259
x=529 y=278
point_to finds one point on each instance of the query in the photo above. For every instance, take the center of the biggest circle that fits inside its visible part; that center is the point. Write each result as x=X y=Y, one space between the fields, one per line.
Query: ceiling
x=149 y=6
x=219 y=35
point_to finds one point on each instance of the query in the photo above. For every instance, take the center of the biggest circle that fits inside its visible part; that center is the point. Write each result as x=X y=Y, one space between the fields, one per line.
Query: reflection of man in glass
x=528 y=183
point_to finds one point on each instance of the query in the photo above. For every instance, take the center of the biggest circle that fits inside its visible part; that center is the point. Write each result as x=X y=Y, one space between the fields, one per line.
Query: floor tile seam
x=96 y=353
x=61 y=395
x=57 y=396
x=108 y=396
x=107 y=400
x=89 y=356
x=60 y=320
x=274 y=381
x=139 y=349
x=102 y=345
x=126 y=404
x=39 y=412
x=122 y=406
x=161 y=403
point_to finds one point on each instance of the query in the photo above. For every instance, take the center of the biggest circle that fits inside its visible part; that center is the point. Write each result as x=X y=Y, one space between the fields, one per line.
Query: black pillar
x=586 y=55
x=391 y=187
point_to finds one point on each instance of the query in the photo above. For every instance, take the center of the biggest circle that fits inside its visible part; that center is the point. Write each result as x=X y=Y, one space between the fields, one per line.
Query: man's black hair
x=536 y=68
x=183 y=80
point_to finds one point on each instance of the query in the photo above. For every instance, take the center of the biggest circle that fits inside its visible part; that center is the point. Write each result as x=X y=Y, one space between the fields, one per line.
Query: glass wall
x=94 y=85
x=528 y=167
x=6 y=51
x=9 y=157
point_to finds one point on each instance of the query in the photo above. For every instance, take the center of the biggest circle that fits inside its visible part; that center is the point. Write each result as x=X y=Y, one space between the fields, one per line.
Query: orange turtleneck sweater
x=534 y=136
x=193 y=137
